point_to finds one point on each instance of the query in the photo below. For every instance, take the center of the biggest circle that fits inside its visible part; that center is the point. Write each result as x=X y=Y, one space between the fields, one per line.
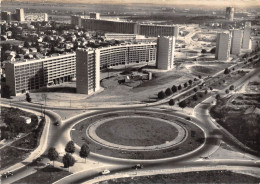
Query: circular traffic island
x=137 y=134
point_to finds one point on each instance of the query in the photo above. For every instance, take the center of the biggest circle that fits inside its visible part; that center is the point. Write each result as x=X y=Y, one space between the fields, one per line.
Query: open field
x=240 y=115
x=136 y=132
x=221 y=176
x=48 y=174
x=194 y=139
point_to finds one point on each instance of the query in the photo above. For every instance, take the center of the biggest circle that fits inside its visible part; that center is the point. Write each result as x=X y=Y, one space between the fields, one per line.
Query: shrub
x=161 y=95
x=168 y=92
x=174 y=88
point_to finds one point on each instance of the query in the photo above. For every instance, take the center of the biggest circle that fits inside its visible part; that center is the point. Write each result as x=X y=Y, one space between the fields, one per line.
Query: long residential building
x=35 y=74
x=125 y=27
x=90 y=61
x=247 y=36
x=223 y=46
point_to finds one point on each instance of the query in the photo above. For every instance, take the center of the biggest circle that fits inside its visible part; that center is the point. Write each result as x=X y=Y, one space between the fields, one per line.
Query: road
x=58 y=137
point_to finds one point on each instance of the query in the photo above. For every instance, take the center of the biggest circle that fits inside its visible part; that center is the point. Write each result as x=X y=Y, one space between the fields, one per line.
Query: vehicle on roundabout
x=188 y=118
x=105 y=172
x=57 y=123
x=138 y=166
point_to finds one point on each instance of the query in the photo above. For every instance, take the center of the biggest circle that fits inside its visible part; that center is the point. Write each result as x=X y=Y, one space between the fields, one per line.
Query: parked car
x=105 y=172
x=138 y=166
x=38 y=159
x=57 y=123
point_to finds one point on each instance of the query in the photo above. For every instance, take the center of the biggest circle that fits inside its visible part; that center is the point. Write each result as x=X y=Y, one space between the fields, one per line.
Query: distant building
x=247 y=35
x=5 y=15
x=120 y=36
x=255 y=42
x=230 y=13
x=88 y=71
x=236 y=42
x=223 y=46
x=94 y=15
x=19 y=14
x=125 y=27
x=165 y=53
x=36 y=17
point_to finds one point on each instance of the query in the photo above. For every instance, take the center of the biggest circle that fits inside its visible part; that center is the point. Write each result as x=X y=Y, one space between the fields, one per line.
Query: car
x=7 y=174
x=57 y=123
x=38 y=159
x=138 y=166
x=105 y=172
x=188 y=118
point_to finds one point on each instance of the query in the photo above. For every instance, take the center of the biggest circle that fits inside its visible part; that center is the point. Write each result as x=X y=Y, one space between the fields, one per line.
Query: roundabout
x=138 y=134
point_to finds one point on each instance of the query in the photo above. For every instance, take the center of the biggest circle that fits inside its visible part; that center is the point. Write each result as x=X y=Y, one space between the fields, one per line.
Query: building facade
x=165 y=53
x=120 y=36
x=125 y=27
x=236 y=42
x=7 y=16
x=230 y=13
x=36 y=17
x=223 y=46
x=34 y=74
x=88 y=71
x=94 y=15
x=247 y=36
x=19 y=13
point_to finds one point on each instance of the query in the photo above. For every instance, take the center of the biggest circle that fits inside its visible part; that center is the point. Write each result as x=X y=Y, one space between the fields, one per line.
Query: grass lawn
x=10 y=156
x=194 y=139
x=48 y=174
x=240 y=117
x=189 y=177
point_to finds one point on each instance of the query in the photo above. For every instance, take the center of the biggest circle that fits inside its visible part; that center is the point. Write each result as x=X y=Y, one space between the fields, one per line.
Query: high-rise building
x=87 y=71
x=223 y=46
x=230 y=13
x=247 y=35
x=5 y=15
x=75 y=20
x=94 y=15
x=165 y=53
x=236 y=42
x=19 y=14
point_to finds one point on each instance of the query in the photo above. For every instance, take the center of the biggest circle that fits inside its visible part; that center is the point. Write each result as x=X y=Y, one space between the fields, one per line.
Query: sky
x=235 y=3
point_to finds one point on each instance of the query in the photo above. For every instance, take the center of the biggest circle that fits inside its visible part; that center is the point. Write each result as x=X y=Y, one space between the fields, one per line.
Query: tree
x=227 y=91
x=53 y=154
x=26 y=44
x=213 y=50
x=224 y=81
x=195 y=79
x=231 y=87
x=70 y=147
x=179 y=87
x=210 y=88
x=206 y=91
x=199 y=76
x=161 y=95
x=195 y=90
x=168 y=91
x=226 y=71
x=171 y=102
x=68 y=160
x=185 y=84
x=84 y=151
x=217 y=97
x=28 y=98
x=203 y=51
x=190 y=82
x=183 y=104
x=195 y=97
x=174 y=89
x=200 y=95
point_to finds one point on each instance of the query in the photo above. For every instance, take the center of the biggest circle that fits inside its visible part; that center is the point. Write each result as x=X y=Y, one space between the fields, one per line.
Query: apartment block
x=247 y=35
x=236 y=42
x=223 y=46
x=94 y=15
x=230 y=13
x=34 y=74
x=165 y=53
x=36 y=17
x=88 y=71
x=7 y=16
x=121 y=36
x=126 y=27
x=19 y=14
